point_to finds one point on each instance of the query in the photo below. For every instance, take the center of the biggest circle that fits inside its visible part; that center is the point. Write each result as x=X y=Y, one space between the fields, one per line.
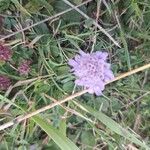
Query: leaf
x=112 y=125
x=41 y=29
x=46 y=5
x=87 y=138
x=68 y=86
x=35 y=6
x=41 y=87
x=72 y=16
x=77 y=2
x=62 y=141
x=63 y=127
x=4 y=4
x=19 y=7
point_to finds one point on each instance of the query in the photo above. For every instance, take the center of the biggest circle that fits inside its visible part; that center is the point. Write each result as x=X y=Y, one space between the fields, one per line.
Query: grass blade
x=112 y=125
x=62 y=141
x=19 y=7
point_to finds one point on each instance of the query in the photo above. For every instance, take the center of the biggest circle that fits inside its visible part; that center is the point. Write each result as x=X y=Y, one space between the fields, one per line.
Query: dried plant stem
x=131 y=72
x=72 y=111
x=21 y=118
x=94 y=22
x=42 y=21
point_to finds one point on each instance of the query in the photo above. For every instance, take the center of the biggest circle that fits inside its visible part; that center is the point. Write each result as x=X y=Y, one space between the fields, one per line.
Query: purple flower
x=5 y=53
x=4 y=82
x=92 y=71
x=24 y=67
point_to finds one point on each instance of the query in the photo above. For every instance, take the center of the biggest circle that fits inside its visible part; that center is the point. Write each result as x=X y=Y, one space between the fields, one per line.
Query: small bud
x=5 y=53
x=4 y=82
x=24 y=67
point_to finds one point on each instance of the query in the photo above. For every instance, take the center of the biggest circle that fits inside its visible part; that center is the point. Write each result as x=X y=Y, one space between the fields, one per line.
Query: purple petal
x=109 y=74
x=91 y=91
x=82 y=53
x=79 y=82
x=102 y=55
x=107 y=65
x=72 y=62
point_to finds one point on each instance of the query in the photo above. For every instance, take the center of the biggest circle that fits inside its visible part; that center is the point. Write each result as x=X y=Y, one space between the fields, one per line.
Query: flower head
x=4 y=82
x=92 y=71
x=24 y=67
x=5 y=53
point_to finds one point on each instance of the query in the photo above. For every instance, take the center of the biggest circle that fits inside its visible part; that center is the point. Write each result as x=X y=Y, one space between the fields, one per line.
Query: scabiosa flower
x=4 y=82
x=24 y=67
x=5 y=53
x=92 y=71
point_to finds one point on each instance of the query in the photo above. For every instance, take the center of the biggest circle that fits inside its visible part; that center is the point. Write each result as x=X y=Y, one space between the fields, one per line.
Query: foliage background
x=49 y=45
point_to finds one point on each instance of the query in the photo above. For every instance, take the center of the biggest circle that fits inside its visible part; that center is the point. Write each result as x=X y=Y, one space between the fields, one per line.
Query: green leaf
x=62 y=141
x=41 y=87
x=87 y=138
x=68 y=86
x=63 y=127
x=35 y=6
x=46 y=5
x=112 y=125
x=4 y=4
x=19 y=7
x=77 y=2
x=59 y=6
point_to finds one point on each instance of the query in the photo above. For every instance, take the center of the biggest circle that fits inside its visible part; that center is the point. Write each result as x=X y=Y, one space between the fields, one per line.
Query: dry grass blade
x=131 y=72
x=21 y=118
x=94 y=22
x=72 y=111
x=47 y=19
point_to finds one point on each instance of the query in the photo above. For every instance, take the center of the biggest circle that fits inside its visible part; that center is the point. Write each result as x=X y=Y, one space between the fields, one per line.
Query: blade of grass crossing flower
x=112 y=125
x=62 y=141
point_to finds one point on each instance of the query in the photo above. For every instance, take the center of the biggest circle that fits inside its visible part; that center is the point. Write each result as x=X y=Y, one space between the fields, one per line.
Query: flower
x=24 y=67
x=5 y=53
x=4 y=82
x=92 y=71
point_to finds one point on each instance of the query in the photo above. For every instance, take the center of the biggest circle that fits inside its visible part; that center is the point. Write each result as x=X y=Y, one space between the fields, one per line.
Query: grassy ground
x=119 y=119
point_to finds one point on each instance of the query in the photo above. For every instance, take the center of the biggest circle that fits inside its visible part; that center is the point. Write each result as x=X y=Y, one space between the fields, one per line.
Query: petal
x=98 y=93
x=106 y=79
x=91 y=91
x=98 y=90
x=107 y=65
x=79 y=82
x=78 y=58
x=109 y=74
x=102 y=55
x=82 y=53
x=72 y=62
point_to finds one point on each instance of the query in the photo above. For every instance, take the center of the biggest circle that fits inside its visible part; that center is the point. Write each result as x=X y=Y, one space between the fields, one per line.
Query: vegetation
x=37 y=38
